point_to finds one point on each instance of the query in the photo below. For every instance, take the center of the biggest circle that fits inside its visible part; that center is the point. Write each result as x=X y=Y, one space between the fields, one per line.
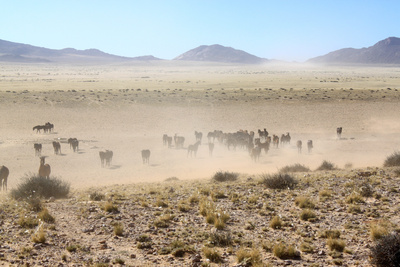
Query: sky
x=290 y=30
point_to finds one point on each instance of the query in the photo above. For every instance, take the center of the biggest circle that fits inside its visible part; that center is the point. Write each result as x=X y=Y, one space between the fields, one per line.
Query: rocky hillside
x=219 y=53
x=17 y=52
x=386 y=51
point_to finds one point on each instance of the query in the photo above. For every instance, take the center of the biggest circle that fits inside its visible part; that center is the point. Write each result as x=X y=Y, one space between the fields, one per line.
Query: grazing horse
x=339 y=132
x=299 y=146
x=38 y=149
x=146 y=156
x=57 y=147
x=198 y=135
x=309 y=146
x=210 y=149
x=193 y=149
x=4 y=172
x=44 y=169
x=38 y=128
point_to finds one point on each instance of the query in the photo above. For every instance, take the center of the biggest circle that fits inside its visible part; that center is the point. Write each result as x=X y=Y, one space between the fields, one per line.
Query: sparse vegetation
x=326 y=166
x=35 y=186
x=294 y=168
x=336 y=244
x=225 y=176
x=393 y=160
x=45 y=216
x=304 y=203
x=385 y=253
x=212 y=254
x=247 y=257
x=308 y=215
x=278 y=181
x=284 y=251
x=276 y=223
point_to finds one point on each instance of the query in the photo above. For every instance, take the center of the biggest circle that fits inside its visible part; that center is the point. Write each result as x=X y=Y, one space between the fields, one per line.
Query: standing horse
x=299 y=146
x=192 y=149
x=4 y=172
x=146 y=156
x=339 y=132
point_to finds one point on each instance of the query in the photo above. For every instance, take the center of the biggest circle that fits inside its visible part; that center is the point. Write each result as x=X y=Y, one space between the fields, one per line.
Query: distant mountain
x=219 y=53
x=17 y=52
x=386 y=51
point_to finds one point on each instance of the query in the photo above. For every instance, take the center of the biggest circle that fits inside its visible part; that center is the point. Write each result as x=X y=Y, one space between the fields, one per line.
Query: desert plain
x=127 y=107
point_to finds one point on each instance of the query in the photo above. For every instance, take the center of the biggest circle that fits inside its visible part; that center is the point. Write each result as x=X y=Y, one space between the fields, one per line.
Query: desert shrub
x=397 y=172
x=324 y=194
x=143 y=238
x=119 y=229
x=336 y=244
x=284 y=251
x=279 y=181
x=161 y=203
x=248 y=257
x=35 y=186
x=212 y=254
x=294 y=168
x=276 y=223
x=72 y=248
x=163 y=221
x=171 y=179
x=366 y=190
x=110 y=207
x=354 y=198
x=45 y=216
x=386 y=252
x=326 y=166
x=308 y=215
x=225 y=176
x=96 y=196
x=392 y=160
x=306 y=247
x=379 y=229
x=221 y=239
x=39 y=236
x=330 y=234
x=304 y=202
x=28 y=222
x=34 y=203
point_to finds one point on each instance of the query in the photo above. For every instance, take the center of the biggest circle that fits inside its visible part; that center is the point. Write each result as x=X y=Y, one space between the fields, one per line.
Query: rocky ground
x=170 y=223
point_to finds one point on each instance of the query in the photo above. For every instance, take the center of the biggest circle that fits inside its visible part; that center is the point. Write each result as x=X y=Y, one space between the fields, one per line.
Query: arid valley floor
x=126 y=108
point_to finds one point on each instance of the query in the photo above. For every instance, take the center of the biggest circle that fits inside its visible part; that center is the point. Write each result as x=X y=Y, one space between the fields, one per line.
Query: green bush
x=35 y=186
x=225 y=176
x=392 y=160
x=279 y=181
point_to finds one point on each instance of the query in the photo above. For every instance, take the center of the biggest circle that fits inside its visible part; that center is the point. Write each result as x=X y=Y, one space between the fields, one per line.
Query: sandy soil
x=128 y=108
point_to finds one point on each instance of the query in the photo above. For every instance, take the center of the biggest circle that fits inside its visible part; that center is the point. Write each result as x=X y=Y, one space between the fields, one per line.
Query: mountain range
x=386 y=51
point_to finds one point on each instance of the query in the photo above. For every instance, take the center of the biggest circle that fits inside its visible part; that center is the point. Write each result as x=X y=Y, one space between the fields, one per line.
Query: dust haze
x=127 y=108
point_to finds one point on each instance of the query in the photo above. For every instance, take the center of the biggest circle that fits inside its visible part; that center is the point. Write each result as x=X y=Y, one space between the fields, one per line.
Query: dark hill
x=219 y=53
x=386 y=51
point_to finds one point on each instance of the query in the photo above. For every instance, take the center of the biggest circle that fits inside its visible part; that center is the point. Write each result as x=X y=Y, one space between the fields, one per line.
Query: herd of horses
x=232 y=140
x=244 y=139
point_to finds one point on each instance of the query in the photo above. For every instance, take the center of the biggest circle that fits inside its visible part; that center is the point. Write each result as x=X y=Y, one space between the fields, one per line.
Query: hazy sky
x=292 y=30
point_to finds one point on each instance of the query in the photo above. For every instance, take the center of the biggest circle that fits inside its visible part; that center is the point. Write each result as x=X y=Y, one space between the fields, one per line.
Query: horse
x=193 y=149
x=210 y=149
x=339 y=132
x=57 y=147
x=4 y=172
x=146 y=156
x=309 y=145
x=38 y=149
x=299 y=146
x=44 y=169
x=198 y=135
x=255 y=153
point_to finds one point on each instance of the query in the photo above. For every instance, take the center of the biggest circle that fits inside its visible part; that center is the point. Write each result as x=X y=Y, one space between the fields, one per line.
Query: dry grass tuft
x=278 y=181
x=392 y=160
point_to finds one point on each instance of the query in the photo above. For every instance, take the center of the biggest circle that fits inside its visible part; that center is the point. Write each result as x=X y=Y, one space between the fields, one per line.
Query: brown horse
x=4 y=172
x=57 y=147
x=192 y=149
x=44 y=169
x=146 y=156
x=299 y=146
